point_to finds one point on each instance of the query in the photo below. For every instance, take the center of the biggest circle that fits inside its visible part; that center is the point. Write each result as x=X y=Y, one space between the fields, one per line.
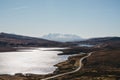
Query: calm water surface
x=85 y=45
x=37 y=61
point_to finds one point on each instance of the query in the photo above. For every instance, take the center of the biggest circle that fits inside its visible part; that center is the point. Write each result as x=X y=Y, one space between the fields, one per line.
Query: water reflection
x=38 y=61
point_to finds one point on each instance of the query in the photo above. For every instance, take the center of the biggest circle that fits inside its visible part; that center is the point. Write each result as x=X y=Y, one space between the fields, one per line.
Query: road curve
x=80 y=65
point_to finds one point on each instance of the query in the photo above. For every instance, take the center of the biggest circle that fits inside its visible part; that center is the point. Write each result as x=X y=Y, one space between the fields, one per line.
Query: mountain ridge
x=7 y=39
x=62 y=37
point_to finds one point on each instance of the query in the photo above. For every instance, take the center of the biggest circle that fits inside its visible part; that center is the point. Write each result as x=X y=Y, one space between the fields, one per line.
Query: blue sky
x=86 y=18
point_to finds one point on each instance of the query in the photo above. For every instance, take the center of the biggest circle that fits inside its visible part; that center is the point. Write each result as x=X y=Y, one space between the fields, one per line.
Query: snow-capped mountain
x=62 y=37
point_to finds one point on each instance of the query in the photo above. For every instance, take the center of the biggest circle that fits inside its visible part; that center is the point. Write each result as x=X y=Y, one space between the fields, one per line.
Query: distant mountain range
x=13 y=40
x=62 y=37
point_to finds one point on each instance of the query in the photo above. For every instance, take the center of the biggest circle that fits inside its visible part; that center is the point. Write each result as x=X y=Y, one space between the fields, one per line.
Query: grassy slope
x=101 y=65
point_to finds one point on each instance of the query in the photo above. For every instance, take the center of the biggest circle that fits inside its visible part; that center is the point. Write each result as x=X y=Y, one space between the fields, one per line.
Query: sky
x=86 y=18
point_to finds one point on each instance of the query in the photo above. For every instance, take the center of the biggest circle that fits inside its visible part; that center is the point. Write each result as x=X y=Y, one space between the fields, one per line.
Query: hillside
x=13 y=40
x=96 y=41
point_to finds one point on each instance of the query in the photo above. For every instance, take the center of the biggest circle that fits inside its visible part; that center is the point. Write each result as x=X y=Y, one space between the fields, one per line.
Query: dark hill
x=14 y=40
x=97 y=41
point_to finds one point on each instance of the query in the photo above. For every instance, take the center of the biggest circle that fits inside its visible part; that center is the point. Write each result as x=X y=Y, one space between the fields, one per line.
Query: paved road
x=80 y=65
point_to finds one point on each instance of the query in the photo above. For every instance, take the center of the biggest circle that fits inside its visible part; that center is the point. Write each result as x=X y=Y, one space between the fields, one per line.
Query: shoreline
x=55 y=72
x=74 y=68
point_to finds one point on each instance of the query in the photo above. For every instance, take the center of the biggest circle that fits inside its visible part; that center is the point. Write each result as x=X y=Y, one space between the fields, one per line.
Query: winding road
x=80 y=66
